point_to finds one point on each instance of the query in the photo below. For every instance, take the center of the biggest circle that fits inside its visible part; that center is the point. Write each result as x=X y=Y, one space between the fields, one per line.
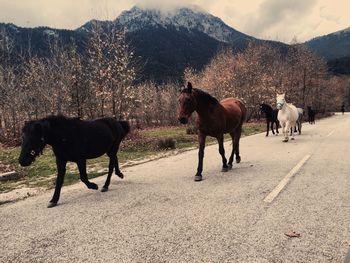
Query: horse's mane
x=266 y=106
x=206 y=97
x=60 y=119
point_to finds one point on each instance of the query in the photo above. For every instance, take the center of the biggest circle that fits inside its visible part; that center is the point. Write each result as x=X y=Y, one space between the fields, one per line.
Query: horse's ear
x=189 y=87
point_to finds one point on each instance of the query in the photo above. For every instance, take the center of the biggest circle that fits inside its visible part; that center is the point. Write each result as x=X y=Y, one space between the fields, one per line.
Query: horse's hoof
x=120 y=175
x=238 y=159
x=224 y=169
x=230 y=166
x=292 y=139
x=285 y=140
x=198 y=178
x=93 y=186
x=51 y=204
x=104 y=189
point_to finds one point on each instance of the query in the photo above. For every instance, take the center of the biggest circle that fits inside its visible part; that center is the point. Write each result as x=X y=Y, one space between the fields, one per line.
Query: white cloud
x=282 y=19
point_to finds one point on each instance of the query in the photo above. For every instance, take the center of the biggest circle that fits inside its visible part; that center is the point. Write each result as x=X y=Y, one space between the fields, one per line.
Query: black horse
x=74 y=140
x=271 y=117
x=311 y=115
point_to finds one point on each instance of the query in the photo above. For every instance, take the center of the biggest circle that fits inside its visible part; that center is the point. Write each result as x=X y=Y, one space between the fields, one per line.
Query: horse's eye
x=32 y=152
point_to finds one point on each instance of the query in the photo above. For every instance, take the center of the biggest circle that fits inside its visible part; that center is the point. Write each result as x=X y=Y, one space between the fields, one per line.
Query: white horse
x=287 y=115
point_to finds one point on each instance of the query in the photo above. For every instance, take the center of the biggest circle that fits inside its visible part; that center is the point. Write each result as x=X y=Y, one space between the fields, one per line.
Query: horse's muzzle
x=183 y=120
x=25 y=162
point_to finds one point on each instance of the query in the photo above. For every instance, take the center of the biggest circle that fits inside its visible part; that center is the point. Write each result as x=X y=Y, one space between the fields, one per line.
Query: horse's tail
x=126 y=127
x=243 y=110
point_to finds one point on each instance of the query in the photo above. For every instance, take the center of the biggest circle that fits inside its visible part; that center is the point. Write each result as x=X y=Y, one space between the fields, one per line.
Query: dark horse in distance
x=311 y=115
x=271 y=117
x=74 y=140
x=214 y=119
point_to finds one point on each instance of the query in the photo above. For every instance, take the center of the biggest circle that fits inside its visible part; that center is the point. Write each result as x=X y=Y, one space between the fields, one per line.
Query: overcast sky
x=268 y=19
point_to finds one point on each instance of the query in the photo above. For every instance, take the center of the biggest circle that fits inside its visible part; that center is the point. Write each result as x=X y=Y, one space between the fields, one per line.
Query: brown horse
x=214 y=119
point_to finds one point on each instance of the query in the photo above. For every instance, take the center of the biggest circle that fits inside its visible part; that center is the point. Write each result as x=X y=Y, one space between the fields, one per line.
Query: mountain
x=331 y=46
x=188 y=19
x=36 y=41
x=340 y=65
x=166 y=42
x=335 y=48
x=170 y=41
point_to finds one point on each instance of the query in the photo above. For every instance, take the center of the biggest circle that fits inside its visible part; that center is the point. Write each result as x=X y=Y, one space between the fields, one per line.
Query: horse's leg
x=267 y=128
x=277 y=126
x=293 y=128
x=83 y=175
x=273 y=132
x=220 y=139
x=117 y=170
x=285 y=131
x=112 y=157
x=299 y=126
x=61 y=171
x=238 y=133
x=201 y=139
x=230 y=161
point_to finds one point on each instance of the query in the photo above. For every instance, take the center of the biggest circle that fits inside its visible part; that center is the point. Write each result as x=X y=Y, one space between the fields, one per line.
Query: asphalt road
x=159 y=214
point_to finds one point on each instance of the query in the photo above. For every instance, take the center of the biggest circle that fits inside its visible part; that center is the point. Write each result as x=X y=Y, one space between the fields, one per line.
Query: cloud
x=272 y=13
x=170 y=5
x=60 y=13
x=271 y=19
x=163 y=5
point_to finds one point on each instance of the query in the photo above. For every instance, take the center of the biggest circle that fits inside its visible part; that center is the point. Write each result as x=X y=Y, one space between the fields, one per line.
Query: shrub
x=166 y=144
x=192 y=130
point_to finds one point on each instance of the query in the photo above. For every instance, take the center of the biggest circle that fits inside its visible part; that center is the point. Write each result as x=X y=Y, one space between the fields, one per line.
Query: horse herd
x=77 y=140
x=280 y=115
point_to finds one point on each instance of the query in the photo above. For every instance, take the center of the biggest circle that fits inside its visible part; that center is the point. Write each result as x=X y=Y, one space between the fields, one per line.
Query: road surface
x=159 y=214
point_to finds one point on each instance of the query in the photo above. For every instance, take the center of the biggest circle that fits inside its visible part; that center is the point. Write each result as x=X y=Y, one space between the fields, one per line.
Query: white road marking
x=275 y=192
x=329 y=134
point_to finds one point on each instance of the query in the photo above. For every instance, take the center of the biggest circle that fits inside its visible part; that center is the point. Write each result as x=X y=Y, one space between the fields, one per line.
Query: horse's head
x=33 y=141
x=280 y=100
x=187 y=104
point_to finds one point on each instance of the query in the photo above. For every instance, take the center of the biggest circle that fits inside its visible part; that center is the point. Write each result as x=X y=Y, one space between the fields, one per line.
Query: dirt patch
x=5 y=168
x=19 y=194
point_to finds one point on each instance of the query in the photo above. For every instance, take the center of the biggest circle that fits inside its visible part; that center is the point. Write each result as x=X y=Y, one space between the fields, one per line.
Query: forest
x=106 y=80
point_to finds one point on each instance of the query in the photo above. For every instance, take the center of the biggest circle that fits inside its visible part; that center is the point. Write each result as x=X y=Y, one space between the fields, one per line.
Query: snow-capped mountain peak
x=185 y=18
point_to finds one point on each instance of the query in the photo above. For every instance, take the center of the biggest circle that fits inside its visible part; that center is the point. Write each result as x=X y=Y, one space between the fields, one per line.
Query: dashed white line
x=329 y=134
x=275 y=192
